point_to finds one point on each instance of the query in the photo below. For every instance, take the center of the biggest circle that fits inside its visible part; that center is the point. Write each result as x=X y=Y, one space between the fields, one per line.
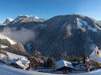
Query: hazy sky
x=49 y=8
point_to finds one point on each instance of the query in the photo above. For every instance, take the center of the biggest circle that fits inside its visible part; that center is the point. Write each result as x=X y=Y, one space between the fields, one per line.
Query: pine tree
x=51 y=62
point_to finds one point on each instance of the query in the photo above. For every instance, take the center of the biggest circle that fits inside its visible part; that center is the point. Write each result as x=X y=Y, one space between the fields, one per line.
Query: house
x=63 y=65
x=96 y=54
x=21 y=63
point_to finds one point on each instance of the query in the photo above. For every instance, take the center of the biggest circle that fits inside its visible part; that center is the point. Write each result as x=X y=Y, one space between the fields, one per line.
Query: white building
x=96 y=54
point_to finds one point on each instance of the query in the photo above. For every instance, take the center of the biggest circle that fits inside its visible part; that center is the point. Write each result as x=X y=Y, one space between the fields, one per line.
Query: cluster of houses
x=61 y=65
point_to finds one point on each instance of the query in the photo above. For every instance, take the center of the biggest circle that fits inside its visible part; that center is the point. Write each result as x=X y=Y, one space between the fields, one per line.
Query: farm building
x=63 y=65
x=22 y=63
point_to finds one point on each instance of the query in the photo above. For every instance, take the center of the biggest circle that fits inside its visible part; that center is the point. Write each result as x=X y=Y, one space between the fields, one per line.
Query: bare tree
x=35 y=60
x=69 y=33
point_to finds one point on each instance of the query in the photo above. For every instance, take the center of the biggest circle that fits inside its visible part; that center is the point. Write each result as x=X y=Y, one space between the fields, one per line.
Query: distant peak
x=8 y=20
x=28 y=16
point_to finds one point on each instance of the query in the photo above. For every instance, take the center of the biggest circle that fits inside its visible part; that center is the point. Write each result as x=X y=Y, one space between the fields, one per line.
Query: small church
x=96 y=54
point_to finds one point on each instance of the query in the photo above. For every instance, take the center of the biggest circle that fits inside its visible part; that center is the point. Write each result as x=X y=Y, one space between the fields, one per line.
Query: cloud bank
x=23 y=36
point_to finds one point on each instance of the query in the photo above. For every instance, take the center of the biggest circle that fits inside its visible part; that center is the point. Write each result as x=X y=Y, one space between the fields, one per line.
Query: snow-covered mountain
x=8 y=20
x=31 y=18
x=73 y=34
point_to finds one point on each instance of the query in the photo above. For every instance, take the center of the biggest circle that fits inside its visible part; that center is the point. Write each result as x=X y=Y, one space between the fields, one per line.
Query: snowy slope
x=7 y=70
x=85 y=24
x=4 y=37
x=14 y=56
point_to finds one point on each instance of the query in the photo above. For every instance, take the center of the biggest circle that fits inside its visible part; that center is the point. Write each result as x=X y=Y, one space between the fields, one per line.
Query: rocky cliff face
x=73 y=34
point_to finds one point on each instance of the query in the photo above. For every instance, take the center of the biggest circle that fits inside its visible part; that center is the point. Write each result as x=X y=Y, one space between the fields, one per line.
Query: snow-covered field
x=14 y=56
x=7 y=70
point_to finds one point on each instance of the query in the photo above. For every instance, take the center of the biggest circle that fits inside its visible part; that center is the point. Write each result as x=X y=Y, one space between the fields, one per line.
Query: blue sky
x=49 y=8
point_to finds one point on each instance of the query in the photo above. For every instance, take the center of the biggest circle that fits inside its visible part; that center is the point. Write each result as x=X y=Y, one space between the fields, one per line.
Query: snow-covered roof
x=20 y=64
x=63 y=63
x=24 y=60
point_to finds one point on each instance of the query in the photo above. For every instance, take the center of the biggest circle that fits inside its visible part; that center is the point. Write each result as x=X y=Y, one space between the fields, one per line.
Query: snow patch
x=93 y=29
x=85 y=24
x=14 y=56
x=4 y=46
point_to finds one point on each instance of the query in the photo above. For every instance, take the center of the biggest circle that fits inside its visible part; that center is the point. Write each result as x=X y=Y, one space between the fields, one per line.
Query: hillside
x=11 y=45
x=71 y=34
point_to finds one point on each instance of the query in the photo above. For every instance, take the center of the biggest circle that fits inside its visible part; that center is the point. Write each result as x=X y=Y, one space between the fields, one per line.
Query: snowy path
x=7 y=70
